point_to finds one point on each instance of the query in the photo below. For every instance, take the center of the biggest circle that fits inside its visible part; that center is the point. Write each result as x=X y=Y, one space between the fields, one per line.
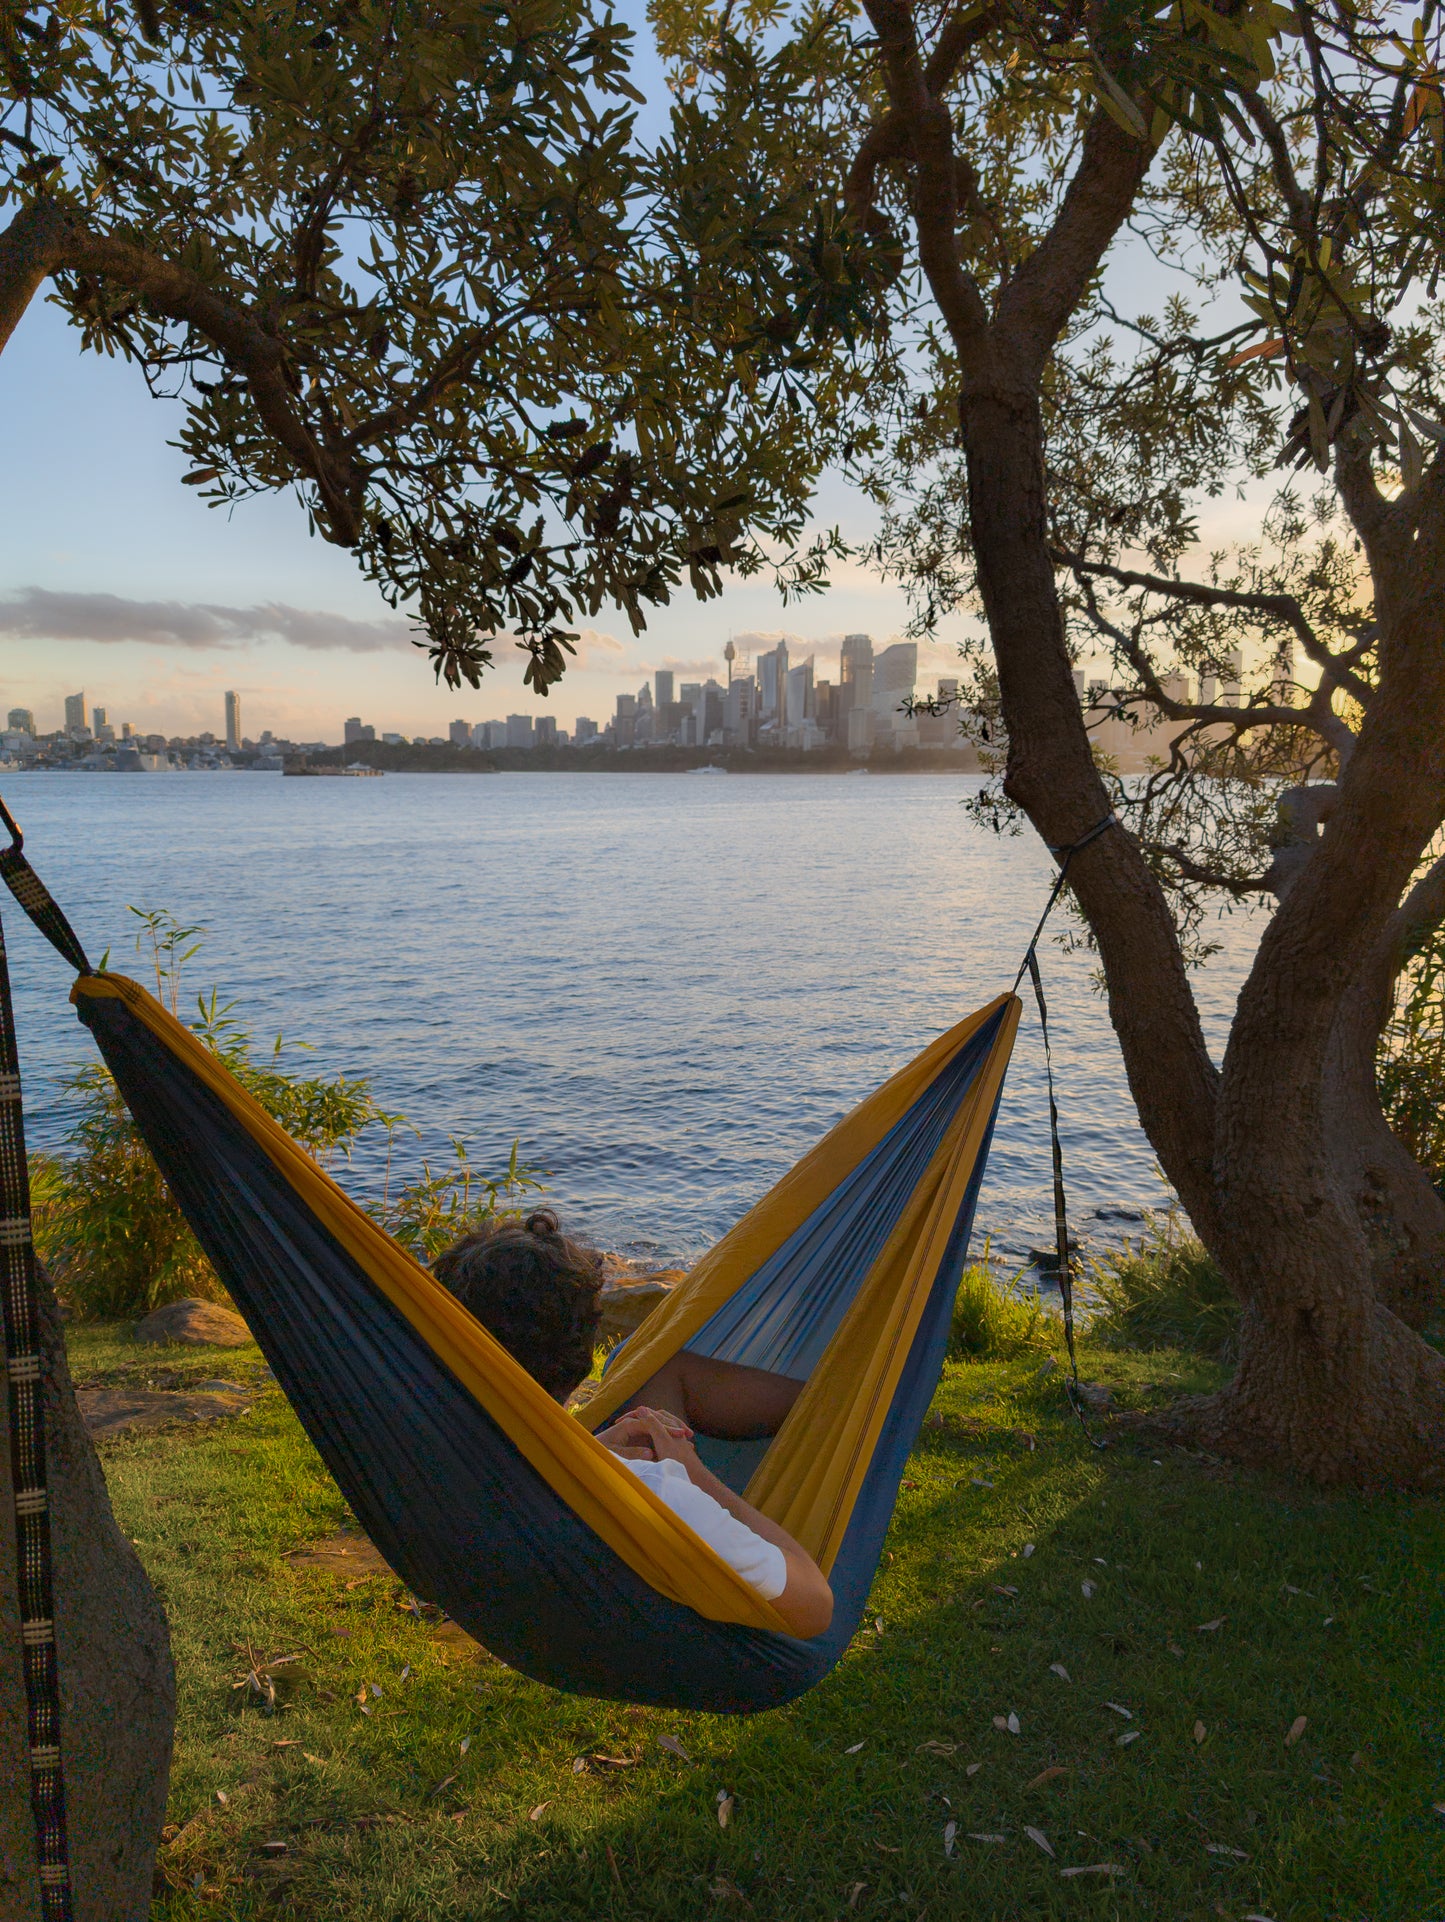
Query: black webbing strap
x=1030 y=966
x=24 y=1369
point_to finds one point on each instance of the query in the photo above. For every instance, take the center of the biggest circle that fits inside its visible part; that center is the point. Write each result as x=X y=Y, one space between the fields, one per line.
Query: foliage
x=997 y=1321
x=427 y=1215
x=106 y=1223
x=1166 y=1293
x=1411 y=1067
x=409 y=259
x=1331 y=1823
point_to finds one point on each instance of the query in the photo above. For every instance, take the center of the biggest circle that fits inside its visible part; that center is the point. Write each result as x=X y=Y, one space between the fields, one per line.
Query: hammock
x=484 y=1495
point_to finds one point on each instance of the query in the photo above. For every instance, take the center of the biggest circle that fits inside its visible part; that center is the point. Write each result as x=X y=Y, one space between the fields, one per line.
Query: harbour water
x=666 y=988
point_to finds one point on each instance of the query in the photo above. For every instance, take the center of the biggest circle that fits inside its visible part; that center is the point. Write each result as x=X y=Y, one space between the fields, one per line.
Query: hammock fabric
x=486 y=1496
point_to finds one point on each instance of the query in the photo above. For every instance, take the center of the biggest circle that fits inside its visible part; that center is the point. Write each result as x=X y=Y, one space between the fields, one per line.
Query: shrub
x=435 y=1210
x=1166 y=1293
x=995 y=1321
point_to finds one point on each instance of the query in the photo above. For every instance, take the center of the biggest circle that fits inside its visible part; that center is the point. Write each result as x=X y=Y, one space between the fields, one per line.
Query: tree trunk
x=1330 y=1382
x=1051 y=774
x=117 y=1685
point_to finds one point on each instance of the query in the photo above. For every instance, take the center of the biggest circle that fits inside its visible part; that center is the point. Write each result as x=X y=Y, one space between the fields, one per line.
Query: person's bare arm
x=651 y=1434
x=721 y=1398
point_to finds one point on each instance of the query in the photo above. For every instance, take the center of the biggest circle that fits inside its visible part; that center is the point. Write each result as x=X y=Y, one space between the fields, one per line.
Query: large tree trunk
x=117 y=1686
x=1330 y=1382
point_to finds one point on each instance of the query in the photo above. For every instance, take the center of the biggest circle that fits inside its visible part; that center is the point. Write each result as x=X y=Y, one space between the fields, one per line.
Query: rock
x=115 y=1411
x=197 y=1323
x=630 y=1298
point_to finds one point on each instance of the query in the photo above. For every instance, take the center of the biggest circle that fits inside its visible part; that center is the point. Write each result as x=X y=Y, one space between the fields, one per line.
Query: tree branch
x=1281 y=607
x=928 y=126
x=1036 y=305
x=27 y=249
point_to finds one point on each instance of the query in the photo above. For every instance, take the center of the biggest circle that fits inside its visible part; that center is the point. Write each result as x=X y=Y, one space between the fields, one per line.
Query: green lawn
x=1219 y=1611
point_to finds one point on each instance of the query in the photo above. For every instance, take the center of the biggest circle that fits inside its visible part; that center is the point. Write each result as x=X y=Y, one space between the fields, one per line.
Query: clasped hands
x=650 y=1435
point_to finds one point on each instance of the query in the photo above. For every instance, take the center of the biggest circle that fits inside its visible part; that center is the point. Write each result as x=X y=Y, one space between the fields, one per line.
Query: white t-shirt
x=759 y=1562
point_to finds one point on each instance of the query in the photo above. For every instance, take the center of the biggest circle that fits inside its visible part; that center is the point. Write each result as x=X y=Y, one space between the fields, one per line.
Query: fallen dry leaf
x=275 y=1849
x=612 y=1864
x=888 y=1848
x=950 y=1831
x=579 y=1766
x=1040 y=1840
x=974 y=1836
x=1046 y=1775
x=616 y=1761
x=223 y=1798
x=1002 y=1589
x=1119 y=1709
x=445 y=1782
x=1223 y=1848
x=465 y=1743
x=1129 y=1735
x=1097 y=1868
x=724 y=1808
x=979 y=1482
x=1258 y=1918
x=936 y=1748
x=1057 y=1668
x=1027 y=1550
x=1208 y=1628
x=673 y=1747
x=1200 y=1731
x=1174 y=1648
x=973 y=1768
x=878 y=1625
x=854 y=1750
x=854 y=1893
x=313 y=1758
x=1296 y=1729
x=1088 y=1590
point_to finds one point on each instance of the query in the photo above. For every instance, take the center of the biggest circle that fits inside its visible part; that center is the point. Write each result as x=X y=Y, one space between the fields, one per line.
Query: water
x=666 y=987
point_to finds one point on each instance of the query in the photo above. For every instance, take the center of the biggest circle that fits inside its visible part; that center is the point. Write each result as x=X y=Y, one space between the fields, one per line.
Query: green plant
x=435 y=1210
x=997 y=1321
x=1166 y=1292
x=1410 y=1068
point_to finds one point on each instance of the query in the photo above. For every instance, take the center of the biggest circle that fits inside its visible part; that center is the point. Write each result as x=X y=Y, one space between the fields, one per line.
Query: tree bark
x=116 y=1680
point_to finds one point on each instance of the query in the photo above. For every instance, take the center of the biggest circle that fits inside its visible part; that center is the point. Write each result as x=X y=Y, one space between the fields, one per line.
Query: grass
x=1323 y=1607
x=999 y=1321
x=1167 y=1291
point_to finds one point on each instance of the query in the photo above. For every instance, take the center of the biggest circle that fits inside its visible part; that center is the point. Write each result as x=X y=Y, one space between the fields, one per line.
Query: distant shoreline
x=646 y=760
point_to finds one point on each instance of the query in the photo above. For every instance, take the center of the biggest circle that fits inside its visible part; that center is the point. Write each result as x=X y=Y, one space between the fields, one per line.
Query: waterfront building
x=663 y=689
x=709 y=710
x=519 y=730
x=20 y=720
x=387 y=740
x=460 y=733
x=233 y=720
x=772 y=672
x=740 y=712
x=799 y=700
x=585 y=731
x=546 y=730
x=75 y=714
x=353 y=731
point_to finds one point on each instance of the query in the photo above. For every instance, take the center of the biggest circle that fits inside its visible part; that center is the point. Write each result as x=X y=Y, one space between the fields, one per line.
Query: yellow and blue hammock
x=482 y=1493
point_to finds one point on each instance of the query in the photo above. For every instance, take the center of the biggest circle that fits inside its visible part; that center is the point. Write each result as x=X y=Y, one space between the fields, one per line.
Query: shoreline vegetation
x=414 y=759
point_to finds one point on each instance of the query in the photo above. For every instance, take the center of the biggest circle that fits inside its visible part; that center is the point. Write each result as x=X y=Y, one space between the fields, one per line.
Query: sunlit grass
x=1326 y=1608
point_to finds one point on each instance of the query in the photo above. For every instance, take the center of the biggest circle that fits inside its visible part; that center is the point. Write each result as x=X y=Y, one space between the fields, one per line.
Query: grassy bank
x=1219 y=1612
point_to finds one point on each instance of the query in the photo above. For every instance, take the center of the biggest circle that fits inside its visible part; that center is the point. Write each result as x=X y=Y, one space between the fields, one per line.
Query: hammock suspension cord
x=24 y=1369
x=1030 y=966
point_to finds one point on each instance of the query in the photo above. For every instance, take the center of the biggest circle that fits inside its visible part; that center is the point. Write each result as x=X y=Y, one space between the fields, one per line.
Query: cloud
x=35 y=613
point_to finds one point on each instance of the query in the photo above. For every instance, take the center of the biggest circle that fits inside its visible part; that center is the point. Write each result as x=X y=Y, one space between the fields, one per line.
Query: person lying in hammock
x=537 y=1291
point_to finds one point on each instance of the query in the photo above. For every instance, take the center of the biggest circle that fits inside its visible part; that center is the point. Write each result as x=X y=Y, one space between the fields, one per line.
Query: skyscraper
x=357 y=730
x=855 y=681
x=772 y=670
x=460 y=733
x=894 y=674
x=233 y=720
x=74 y=713
x=662 y=688
x=21 y=721
x=98 y=719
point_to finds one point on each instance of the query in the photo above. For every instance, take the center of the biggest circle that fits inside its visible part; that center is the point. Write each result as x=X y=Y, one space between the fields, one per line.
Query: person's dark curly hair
x=536 y=1290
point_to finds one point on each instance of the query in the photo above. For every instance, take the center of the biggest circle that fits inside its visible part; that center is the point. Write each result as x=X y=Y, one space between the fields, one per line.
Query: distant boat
x=711 y=768
x=356 y=768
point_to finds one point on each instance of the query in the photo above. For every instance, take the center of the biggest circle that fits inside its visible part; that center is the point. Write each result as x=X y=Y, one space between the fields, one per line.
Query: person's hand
x=650 y=1434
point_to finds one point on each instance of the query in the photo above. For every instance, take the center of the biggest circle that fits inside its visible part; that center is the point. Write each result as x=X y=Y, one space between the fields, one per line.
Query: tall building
x=1224 y=690
x=710 y=709
x=75 y=713
x=546 y=730
x=740 y=712
x=356 y=730
x=1281 y=675
x=233 y=719
x=584 y=730
x=663 y=693
x=98 y=719
x=772 y=670
x=21 y=720
x=855 y=686
x=800 y=695
x=894 y=673
x=460 y=733
x=519 y=730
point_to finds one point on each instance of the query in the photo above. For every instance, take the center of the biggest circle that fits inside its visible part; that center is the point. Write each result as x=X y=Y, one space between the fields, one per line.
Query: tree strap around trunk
x=24 y=1368
x=1030 y=966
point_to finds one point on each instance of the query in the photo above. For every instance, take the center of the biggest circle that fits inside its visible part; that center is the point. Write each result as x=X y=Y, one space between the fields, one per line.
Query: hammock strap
x=33 y=895
x=24 y=1369
x=1030 y=966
